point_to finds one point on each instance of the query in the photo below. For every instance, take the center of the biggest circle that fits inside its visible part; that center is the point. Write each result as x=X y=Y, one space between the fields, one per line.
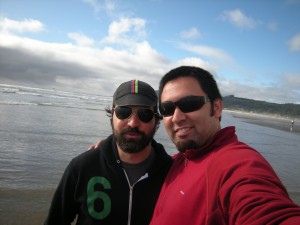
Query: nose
x=133 y=120
x=178 y=115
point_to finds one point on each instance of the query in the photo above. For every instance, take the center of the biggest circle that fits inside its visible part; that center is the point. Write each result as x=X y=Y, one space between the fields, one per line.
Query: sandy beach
x=29 y=207
x=272 y=121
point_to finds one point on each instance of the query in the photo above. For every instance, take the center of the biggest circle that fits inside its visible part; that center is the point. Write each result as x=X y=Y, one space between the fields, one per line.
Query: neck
x=134 y=158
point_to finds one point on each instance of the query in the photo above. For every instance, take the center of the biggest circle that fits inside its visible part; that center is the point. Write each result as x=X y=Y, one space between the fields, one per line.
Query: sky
x=252 y=47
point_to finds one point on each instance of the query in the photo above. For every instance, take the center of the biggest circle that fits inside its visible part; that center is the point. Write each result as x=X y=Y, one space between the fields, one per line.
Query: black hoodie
x=94 y=188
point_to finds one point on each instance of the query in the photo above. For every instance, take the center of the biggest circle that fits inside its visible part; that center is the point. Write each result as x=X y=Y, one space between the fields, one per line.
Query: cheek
x=117 y=124
x=203 y=122
x=167 y=122
x=148 y=126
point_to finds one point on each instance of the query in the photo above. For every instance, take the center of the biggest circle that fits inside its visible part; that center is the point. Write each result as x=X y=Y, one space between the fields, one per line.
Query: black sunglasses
x=186 y=105
x=124 y=112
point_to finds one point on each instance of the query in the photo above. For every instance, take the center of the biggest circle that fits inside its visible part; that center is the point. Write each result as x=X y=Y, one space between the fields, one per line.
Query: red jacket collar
x=223 y=136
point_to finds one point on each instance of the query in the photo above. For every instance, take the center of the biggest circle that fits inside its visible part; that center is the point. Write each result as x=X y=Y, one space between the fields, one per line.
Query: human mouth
x=132 y=134
x=182 y=131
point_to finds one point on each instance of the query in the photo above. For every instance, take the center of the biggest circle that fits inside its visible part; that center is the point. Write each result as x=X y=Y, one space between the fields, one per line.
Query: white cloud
x=108 y=6
x=97 y=7
x=292 y=80
x=26 y=25
x=68 y=65
x=238 y=19
x=209 y=52
x=192 y=33
x=86 y=68
x=81 y=39
x=256 y=92
x=294 y=43
x=126 y=31
x=193 y=61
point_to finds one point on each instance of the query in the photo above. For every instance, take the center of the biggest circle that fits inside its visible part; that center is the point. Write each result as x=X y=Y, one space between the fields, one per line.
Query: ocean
x=41 y=130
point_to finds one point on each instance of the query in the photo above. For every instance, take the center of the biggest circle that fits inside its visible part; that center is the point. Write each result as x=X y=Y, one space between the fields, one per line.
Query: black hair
x=204 y=78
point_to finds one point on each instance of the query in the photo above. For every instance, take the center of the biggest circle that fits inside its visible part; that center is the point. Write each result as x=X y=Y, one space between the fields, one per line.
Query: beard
x=182 y=146
x=130 y=145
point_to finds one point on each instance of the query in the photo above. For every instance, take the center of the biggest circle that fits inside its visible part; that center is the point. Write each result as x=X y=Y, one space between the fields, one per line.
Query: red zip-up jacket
x=225 y=182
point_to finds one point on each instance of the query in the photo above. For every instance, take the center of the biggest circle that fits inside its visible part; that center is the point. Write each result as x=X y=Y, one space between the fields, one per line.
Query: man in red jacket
x=215 y=179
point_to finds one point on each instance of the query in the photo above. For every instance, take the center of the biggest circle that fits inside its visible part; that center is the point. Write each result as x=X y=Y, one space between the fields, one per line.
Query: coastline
x=267 y=120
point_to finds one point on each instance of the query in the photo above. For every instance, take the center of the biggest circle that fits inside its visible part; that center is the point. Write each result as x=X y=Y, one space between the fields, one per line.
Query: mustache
x=132 y=130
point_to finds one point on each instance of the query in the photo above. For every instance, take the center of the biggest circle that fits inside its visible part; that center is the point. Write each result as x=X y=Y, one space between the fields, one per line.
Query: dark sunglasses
x=186 y=105
x=124 y=112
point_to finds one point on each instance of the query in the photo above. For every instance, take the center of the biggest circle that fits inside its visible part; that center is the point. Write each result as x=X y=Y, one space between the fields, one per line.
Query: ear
x=218 y=106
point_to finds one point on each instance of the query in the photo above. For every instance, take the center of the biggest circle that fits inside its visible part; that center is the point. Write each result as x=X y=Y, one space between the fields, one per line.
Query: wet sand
x=24 y=207
x=276 y=122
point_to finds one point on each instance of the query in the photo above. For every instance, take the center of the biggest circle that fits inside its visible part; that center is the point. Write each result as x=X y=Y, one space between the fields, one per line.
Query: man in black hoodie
x=119 y=182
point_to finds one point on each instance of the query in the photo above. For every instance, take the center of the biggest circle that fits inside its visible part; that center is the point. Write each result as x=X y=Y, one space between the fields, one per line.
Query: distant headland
x=287 y=110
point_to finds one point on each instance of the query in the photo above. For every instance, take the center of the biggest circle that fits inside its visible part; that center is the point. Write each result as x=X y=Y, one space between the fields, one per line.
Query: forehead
x=181 y=87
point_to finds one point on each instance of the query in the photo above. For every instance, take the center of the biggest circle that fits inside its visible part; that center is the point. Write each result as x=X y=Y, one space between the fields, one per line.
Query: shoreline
x=267 y=120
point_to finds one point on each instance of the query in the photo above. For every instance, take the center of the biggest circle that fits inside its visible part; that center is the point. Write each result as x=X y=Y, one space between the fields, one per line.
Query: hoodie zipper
x=131 y=193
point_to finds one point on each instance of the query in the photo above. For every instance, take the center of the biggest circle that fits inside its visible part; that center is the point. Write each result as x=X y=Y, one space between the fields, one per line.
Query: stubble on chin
x=182 y=146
